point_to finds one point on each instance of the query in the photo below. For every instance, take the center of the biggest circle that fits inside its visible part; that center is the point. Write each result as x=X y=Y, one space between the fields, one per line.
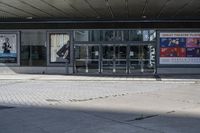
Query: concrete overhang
x=98 y=10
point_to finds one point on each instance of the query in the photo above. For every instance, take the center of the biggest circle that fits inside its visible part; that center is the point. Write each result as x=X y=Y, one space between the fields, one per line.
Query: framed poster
x=8 y=48
x=59 y=47
x=179 y=48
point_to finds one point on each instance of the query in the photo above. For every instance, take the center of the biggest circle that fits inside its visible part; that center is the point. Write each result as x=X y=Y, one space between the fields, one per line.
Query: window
x=96 y=35
x=8 y=48
x=152 y=35
x=112 y=35
x=126 y=35
x=82 y=35
x=33 y=49
x=149 y=35
x=59 y=47
x=135 y=35
x=145 y=35
x=139 y=35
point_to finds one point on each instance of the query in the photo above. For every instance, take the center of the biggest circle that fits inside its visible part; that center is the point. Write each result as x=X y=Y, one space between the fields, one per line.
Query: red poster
x=172 y=52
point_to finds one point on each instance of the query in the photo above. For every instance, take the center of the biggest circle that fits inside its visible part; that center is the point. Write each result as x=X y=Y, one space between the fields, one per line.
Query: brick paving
x=49 y=105
x=38 y=93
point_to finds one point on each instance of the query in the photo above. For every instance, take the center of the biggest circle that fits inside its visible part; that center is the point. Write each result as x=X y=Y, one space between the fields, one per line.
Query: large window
x=152 y=35
x=96 y=35
x=59 y=47
x=140 y=35
x=106 y=35
x=8 y=48
x=135 y=35
x=33 y=49
x=82 y=35
x=114 y=35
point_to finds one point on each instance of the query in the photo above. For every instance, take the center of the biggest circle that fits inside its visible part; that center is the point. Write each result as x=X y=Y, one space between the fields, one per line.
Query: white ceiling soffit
x=101 y=9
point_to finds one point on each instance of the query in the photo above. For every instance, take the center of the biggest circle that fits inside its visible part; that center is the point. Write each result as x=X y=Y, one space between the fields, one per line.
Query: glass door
x=107 y=65
x=148 y=58
x=120 y=64
x=93 y=63
x=87 y=58
x=141 y=59
x=114 y=59
x=134 y=59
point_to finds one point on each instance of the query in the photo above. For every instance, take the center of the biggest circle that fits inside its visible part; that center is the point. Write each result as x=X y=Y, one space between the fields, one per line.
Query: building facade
x=100 y=37
x=100 y=51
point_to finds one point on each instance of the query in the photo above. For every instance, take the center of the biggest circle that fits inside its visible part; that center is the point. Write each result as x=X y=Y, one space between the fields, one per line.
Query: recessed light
x=144 y=16
x=29 y=17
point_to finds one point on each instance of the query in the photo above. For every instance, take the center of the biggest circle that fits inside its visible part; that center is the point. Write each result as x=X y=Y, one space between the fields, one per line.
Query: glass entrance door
x=93 y=64
x=107 y=63
x=134 y=61
x=149 y=58
x=87 y=58
x=114 y=59
x=80 y=58
x=141 y=59
x=121 y=59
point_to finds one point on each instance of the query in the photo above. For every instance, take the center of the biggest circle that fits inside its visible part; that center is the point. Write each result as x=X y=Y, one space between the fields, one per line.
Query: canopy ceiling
x=100 y=9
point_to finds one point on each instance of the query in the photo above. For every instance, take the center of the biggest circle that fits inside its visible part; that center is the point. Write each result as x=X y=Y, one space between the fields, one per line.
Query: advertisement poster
x=172 y=42
x=193 y=52
x=180 y=48
x=172 y=52
x=60 y=48
x=193 y=43
x=8 y=48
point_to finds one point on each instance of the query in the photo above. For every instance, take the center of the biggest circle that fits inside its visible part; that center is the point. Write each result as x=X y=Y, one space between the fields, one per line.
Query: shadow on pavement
x=195 y=76
x=77 y=120
x=142 y=76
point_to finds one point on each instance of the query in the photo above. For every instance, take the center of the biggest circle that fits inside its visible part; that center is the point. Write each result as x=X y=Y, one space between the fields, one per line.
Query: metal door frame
x=87 y=58
x=141 y=60
x=100 y=59
x=114 y=45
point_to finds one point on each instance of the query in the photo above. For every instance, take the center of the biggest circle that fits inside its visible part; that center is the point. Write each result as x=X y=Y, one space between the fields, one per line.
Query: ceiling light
x=29 y=17
x=144 y=17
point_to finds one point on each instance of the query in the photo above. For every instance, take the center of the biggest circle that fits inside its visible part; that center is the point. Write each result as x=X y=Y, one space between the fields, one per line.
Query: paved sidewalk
x=48 y=104
x=186 y=78
x=45 y=92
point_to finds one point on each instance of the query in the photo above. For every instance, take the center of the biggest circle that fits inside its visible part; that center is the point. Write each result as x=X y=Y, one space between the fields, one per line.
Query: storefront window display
x=59 y=47
x=8 y=48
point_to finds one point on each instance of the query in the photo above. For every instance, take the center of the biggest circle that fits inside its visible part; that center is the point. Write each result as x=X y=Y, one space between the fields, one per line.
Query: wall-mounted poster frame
x=57 y=41
x=9 y=48
x=178 y=48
